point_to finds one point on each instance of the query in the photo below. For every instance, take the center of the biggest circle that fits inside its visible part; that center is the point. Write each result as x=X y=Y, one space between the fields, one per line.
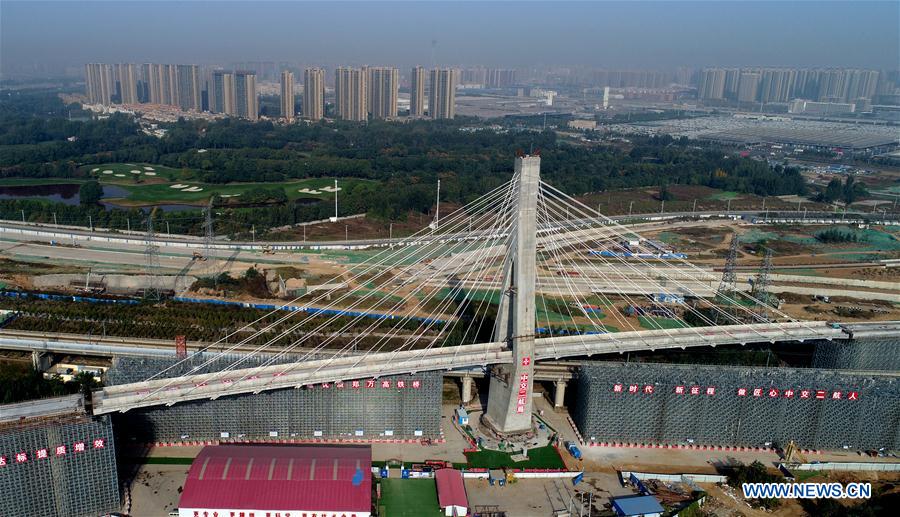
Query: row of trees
x=19 y=383
x=404 y=160
x=848 y=191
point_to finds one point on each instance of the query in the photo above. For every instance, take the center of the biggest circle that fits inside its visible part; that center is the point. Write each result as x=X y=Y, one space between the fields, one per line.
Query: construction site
x=685 y=333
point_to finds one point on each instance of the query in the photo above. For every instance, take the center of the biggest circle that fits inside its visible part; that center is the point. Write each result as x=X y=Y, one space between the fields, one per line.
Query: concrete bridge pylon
x=509 y=396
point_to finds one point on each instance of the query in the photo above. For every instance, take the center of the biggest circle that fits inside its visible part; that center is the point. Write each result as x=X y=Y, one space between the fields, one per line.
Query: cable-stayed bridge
x=541 y=276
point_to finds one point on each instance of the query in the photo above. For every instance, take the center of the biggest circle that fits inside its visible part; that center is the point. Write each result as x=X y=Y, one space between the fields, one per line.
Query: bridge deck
x=295 y=375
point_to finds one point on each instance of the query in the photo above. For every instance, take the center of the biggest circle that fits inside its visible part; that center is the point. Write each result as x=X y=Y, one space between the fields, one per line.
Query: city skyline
x=637 y=35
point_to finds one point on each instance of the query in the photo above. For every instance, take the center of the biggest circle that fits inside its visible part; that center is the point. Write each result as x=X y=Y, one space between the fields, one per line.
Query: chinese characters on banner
x=58 y=451
x=787 y=393
x=206 y=513
x=522 y=399
x=370 y=384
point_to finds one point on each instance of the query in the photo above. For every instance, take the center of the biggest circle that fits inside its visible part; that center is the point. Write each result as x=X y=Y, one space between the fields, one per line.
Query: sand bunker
x=229 y=195
x=308 y=191
x=120 y=175
x=192 y=189
x=150 y=173
x=148 y=168
x=178 y=185
x=135 y=171
x=107 y=172
x=330 y=189
x=95 y=169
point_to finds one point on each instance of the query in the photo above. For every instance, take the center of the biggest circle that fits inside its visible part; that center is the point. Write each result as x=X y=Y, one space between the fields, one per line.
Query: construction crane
x=792 y=454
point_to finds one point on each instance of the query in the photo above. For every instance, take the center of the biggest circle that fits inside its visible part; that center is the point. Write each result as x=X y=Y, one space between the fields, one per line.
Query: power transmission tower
x=729 y=280
x=761 y=287
x=151 y=257
x=209 y=237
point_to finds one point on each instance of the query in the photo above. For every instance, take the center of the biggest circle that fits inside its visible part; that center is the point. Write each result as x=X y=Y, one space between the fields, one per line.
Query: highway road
x=114 y=250
x=66 y=234
x=42 y=408
x=468 y=359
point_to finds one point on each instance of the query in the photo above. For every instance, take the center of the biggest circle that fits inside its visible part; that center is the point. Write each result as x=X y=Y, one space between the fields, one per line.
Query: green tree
x=853 y=190
x=833 y=191
x=664 y=193
x=90 y=193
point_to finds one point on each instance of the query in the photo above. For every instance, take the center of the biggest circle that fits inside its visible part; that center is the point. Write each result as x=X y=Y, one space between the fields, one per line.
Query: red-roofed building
x=452 y=492
x=279 y=481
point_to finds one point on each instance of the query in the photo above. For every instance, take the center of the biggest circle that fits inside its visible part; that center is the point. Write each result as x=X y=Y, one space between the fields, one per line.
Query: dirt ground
x=156 y=489
x=359 y=228
x=646 y=200
x=539 y=497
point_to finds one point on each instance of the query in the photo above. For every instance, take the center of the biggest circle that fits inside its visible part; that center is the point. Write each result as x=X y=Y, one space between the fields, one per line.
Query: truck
x=573 y=450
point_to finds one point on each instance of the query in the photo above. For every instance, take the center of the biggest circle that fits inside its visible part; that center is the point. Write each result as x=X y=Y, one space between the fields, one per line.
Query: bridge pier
x=466 y=391
x=559 y=395
x=509 y=396
x=41 y=360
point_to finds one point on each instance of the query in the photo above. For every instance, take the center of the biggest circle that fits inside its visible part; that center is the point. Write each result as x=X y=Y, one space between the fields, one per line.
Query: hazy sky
x=608 y=34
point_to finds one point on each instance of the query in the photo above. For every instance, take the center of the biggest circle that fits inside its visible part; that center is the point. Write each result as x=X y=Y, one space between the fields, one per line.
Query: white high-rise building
x=442 y=93
x=383 y=90
x=246 y=102
x=314 y=94
x=287 y=95
x=351 y=94
x=100 y=83
x=417 y=92
x=127 y=80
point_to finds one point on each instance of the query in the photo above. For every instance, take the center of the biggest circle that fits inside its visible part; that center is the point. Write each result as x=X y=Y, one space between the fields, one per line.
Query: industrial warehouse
x=258 y=480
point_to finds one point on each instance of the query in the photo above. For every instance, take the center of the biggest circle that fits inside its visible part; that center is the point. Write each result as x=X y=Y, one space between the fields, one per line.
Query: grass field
x=539 y=458
x=158 y=172
x=657 y=323
x=155 y=187
x=163 y=193
x=724 y=196
x=802 y=475
x=409 y=498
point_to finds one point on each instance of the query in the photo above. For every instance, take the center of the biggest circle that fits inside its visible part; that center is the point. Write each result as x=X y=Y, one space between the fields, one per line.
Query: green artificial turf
x=539 y=458
x=409 y=498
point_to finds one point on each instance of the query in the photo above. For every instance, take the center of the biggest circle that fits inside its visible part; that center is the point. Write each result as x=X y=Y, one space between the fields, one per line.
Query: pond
x=61 y=193
x=67 y=193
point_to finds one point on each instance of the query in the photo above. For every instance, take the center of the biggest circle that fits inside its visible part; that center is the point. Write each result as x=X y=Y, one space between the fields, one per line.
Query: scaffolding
x=725 y=418
x=78 y=483
x=319 y=411
x=879 y=354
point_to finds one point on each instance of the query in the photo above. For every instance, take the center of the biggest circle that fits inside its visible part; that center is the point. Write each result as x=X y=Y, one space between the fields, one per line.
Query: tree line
x=404 y=160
